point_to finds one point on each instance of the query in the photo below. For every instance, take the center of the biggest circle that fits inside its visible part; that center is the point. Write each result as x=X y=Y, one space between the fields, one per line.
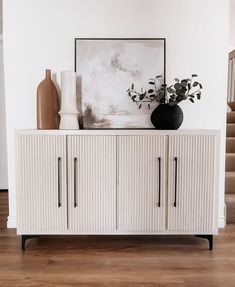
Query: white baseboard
x=223 y=219
x=11 y=222
x=222 y=222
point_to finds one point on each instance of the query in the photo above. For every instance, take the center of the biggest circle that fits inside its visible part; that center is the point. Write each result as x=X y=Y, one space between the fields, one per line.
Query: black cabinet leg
x=209 y=238
x=24 y=239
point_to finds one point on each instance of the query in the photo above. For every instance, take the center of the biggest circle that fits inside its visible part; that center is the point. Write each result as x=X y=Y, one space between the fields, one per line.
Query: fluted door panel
x=141 y=190
x=41 y=184
x=92 y=183
x=191 y=183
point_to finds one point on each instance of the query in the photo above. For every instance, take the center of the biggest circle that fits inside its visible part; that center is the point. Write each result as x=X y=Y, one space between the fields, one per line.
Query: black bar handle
x=59 y=185
x=176 y=167
x=159 y=178
x=75 y=181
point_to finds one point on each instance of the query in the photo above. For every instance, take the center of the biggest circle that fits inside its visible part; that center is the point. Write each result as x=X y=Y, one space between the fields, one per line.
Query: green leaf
x=177 y=80
x=150 y=91
x=159 y=76
x=152 y=95
x=151 y=83
x=158 y=98
x=191 y=100
x=129 y=93
x=195 y=84
x=184 y=83
x=132 y=86
x=200 y=85
x=179 y=98
x=170 y=90
x=177 y=86
x=199 y=96
x=149 y=106
x=133 y=98
x=194 y=75
x=140 y=106
x=181 y=92
x=141 y=97
x=162 y=92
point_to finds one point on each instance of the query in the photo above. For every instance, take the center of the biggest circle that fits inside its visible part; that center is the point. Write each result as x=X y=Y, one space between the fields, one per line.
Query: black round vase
x=166 y=117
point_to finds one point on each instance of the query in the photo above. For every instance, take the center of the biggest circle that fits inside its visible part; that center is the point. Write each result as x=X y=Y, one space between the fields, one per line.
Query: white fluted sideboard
x=117 y=182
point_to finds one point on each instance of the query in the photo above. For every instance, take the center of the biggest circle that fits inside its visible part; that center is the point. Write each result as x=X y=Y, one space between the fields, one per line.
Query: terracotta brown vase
x=48 y=104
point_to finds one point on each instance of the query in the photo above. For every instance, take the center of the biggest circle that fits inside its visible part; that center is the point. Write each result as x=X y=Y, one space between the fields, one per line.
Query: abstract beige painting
x=106 y=68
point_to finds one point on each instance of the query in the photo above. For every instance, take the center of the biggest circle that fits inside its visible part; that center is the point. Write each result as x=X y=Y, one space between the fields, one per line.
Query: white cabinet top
x=118 y=132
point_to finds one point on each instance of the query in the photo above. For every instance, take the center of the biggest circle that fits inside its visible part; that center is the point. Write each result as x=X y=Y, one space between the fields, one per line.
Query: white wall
x=40 y=34
x=3 y=138
x=232 y=26
x=1 y=21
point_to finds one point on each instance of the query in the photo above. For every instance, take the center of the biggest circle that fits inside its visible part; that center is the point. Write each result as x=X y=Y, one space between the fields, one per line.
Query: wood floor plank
x=100 y=261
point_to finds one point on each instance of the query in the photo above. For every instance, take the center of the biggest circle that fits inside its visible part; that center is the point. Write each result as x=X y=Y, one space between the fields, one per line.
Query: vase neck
x=48 y=74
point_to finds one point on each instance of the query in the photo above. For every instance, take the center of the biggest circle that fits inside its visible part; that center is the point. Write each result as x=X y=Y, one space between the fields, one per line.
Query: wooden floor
x=115 y=261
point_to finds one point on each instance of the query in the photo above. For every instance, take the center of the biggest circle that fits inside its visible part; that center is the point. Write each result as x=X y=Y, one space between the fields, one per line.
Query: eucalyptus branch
x=134 y=91
x=155 y=83
x=172 y=95
x=195 y=92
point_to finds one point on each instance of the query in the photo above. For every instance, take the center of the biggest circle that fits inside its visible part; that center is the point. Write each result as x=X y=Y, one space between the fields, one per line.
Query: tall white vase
x=68 y=112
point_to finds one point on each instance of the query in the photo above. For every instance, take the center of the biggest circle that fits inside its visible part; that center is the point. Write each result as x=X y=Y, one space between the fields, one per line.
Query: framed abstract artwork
x=106 y=68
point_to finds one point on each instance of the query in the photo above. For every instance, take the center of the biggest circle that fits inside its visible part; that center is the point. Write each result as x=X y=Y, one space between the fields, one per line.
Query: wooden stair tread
x=230 y=130
x=230 y=162
x=231 y=117
x=230 y=182
x=230 y=145
x=230 y=165
x=230 y=203
x=231 y=105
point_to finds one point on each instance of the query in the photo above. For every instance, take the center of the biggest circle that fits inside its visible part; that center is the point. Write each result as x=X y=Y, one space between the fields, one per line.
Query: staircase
x=230 y=165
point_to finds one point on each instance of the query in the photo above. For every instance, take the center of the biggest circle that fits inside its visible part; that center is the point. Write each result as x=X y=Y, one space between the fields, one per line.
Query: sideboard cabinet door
x=92 y=183
x=191 y=183
x=141 y=193
x=41 y=184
